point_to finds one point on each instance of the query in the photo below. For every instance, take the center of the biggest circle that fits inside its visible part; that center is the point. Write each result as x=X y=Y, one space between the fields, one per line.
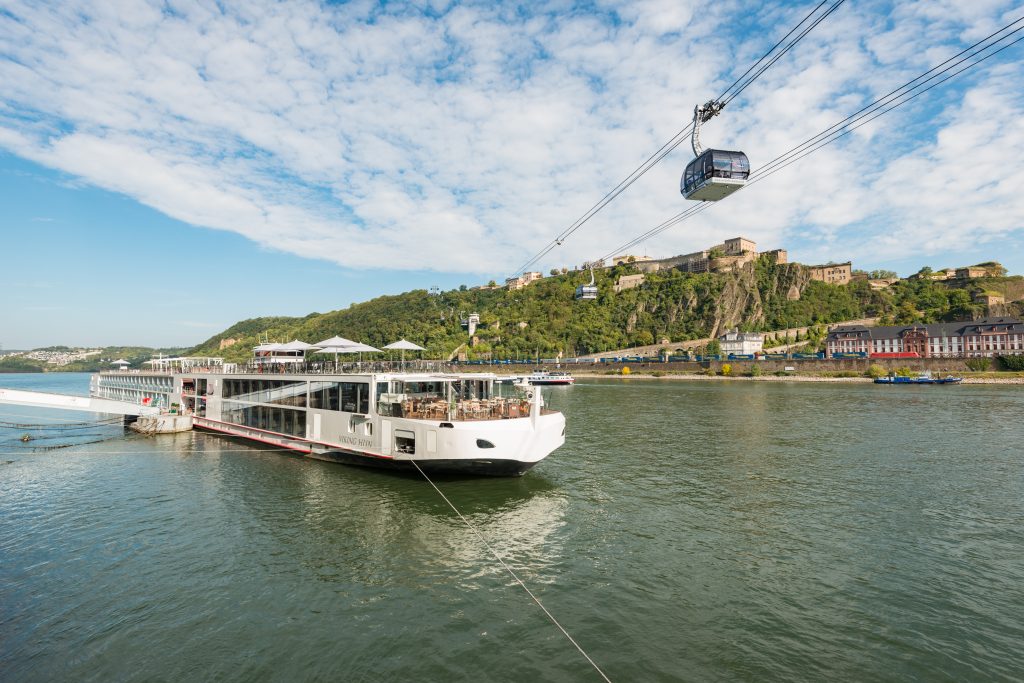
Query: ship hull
x=473 y=467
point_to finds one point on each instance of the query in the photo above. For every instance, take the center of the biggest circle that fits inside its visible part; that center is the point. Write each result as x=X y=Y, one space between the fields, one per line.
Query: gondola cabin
x=586 y=292
x=714 y=175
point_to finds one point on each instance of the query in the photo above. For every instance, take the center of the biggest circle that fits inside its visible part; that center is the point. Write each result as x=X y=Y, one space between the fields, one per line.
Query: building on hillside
x=741 y=343
x=737 y=246
x=971 y=272
x=833 y=273
x=629 y=258
x=629 y=282
x=729 y=255
x=989 y=300
x=522 y=280
x=987 y=337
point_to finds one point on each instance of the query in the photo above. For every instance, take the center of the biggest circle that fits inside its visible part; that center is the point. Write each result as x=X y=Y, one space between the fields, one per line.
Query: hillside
x=136 y=355
x=545 y=319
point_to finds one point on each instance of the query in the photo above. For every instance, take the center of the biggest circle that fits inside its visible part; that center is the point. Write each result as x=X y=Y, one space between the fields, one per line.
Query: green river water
x=687 y=531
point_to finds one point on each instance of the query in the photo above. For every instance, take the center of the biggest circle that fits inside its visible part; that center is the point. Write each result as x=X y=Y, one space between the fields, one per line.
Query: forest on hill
x=545 y=319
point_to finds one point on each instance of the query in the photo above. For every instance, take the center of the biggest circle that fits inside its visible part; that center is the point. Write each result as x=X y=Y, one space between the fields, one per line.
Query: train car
x=677 y=359
x=901 y=354
x=808 y=356
x=850 y=354
x=741 y=356
x=774 y=356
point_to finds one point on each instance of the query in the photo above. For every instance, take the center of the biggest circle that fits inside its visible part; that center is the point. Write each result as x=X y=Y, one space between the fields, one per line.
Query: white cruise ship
x=445 y=422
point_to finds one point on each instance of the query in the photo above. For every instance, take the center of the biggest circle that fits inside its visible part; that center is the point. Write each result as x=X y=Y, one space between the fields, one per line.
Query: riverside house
x=987 y=337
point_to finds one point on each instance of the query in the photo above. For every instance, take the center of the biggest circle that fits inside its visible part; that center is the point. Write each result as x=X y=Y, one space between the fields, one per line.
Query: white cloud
x=463 y=142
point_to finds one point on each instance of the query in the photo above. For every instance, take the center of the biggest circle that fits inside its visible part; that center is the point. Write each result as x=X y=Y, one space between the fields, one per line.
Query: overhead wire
x=680 y=136
x=899 y=96
x=883 y=105
x=753 y=66
x=786 y=49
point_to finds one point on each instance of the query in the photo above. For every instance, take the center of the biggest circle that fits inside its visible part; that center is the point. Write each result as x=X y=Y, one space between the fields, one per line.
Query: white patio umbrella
x=404 y=346
x=360 y=349
x=336 y=341
x=335 y=350
x=354 y=347
x=120 y=362
x=296 y=345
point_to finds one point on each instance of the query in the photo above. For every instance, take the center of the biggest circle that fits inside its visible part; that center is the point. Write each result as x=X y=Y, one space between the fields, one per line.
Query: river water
x=687 y=531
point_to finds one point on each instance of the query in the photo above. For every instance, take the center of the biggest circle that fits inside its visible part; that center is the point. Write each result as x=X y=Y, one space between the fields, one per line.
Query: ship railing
x=463 y=410
x=347 y=368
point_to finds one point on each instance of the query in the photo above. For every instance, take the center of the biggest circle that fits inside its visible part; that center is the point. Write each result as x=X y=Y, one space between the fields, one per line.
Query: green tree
x=907 y=314
x=642 y=338
x=960 y=305
x=1015 y=363
x=875 y=371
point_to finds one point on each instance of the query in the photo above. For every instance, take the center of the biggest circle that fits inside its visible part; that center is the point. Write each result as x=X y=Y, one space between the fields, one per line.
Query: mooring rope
x=511 y=572
x=61 y=425
x=7 y=413
x=56 y=447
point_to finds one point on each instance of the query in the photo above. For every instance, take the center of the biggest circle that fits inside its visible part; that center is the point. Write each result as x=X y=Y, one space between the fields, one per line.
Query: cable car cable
x=837 y=131
x=832 y=139
x=777 y=57
x=678 y=138
x=765 y=55
x=896 y=94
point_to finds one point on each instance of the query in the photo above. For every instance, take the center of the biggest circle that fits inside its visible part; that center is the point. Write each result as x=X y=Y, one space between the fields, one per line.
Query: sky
x=170 y=168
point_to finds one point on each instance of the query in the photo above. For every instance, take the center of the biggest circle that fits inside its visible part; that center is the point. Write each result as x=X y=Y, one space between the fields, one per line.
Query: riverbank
x=980 y=378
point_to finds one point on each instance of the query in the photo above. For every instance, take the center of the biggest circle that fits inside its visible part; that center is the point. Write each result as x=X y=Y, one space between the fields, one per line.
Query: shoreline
x=776 y=378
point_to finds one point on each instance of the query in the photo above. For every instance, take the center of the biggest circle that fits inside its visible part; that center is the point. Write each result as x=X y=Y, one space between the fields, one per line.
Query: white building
x=741 y=343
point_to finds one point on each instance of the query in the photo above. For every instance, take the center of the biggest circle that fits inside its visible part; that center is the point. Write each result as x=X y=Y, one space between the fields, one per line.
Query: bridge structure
x=40 y=399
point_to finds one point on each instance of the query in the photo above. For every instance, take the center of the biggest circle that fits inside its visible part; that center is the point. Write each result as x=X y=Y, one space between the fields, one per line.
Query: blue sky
x=168 y=169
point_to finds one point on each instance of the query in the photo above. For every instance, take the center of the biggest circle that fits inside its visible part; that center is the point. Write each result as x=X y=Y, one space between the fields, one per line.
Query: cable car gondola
x=587 y=291
x=715 y=173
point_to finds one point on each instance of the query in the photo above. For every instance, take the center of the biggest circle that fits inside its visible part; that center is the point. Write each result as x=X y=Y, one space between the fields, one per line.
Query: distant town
x=54 y=358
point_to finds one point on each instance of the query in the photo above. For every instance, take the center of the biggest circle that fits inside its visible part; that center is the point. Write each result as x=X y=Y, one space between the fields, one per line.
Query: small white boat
x=545 y=378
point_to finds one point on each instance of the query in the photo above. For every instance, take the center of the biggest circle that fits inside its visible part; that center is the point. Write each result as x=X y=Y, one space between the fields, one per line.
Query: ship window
x=355 y=397
x=289 y=394
x=405 y=442
x=324 y=395
x=484 y=443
